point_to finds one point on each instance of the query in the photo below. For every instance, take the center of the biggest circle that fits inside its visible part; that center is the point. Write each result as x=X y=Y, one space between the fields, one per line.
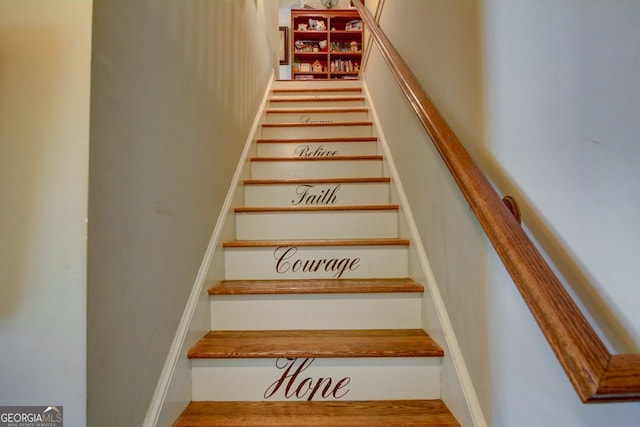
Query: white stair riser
x=306 y=262
x=308 y=102
x=321 y=149
x=283 y=169
x=352 y=379
x=316 y=225
x=346 y=194
x=315 y=131
x=316 y=117
x=318 y=311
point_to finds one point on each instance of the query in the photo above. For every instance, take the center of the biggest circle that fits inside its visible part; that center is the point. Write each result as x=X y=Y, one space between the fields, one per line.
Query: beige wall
x=176 y=85
x=545 y=97
x=45 y=52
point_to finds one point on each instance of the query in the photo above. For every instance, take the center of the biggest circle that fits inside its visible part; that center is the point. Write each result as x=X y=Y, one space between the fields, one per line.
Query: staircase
x=317 y=322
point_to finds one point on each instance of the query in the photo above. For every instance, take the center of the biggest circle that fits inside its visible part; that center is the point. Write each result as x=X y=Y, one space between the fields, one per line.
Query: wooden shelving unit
x=326 y=44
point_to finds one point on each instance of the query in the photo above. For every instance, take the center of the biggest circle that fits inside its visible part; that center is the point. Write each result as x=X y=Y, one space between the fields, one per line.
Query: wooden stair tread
x=316 y=343
x=383 y=179
x=316 y=98
x=380 y=413
x=327 y=139
x=250 y=209
x=315 y=242
x=316 y=158
x=284 y=110
x=314 y=286
x=321 y=124
x=319 y=89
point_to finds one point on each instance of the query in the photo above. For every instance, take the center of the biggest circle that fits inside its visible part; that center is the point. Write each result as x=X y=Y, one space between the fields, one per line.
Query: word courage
x=285 y=262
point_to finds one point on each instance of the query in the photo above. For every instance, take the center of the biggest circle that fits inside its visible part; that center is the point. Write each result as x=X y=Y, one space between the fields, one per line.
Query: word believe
x=306 y=151
x=306 y=388
x=286 y=262
x=306 y=195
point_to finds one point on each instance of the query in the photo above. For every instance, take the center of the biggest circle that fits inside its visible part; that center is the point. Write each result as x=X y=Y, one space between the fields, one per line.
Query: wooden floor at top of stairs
x=334 y=343
x=314 y=286
x=315 y=242
x=379 y=413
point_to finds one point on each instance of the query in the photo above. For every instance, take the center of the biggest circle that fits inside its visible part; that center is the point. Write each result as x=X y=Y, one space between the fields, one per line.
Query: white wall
x=176 y=85
x=545 y=96
x=45 y=49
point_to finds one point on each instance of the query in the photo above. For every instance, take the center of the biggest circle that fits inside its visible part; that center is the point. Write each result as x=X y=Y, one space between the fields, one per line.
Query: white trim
x=470 y=396
x=378 y=12
x=369 y=41
x=164 y=382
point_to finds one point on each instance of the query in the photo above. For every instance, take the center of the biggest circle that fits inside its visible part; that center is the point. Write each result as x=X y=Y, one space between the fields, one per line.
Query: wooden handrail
x=596 y=375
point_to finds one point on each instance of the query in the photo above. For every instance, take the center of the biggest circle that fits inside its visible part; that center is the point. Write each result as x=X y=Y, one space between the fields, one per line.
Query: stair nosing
x=379 y=179
x=332 y=208
x=315 y=158
x=315 y=242
x=381 y=413
x=324 y=139
x=321 y=124
x=317 y=343
x=315 y=286
x=286 y=110
x=327 y=89
x=317 y=99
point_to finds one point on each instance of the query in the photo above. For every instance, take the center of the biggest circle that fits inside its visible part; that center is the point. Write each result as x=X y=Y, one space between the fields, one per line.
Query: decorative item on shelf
x=317 y=25
x=303 y=27
x=329 y=4
x=308 y=46
x=353 y=25
x=316 y=67
x=305 y=67
x=343 y=66
x=356 y=67
x=338 y=47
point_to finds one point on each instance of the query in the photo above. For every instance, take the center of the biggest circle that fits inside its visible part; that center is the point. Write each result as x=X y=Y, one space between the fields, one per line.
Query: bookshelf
x=326 y=44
